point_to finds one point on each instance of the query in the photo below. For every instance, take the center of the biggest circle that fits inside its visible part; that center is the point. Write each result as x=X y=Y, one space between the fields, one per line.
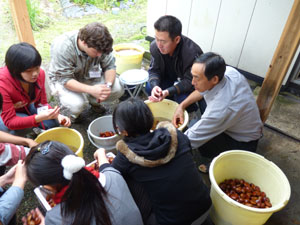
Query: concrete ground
x=284 y=150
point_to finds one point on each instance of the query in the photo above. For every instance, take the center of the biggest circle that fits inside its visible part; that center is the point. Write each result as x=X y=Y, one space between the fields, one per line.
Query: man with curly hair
x=82 y=70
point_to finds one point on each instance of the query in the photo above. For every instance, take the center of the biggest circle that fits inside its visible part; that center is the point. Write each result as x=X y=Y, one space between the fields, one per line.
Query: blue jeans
x=178 y=98
x=46 y=124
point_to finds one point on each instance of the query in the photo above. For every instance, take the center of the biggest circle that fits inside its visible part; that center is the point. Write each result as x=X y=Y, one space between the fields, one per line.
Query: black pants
x=224 y=142
x=142 y=201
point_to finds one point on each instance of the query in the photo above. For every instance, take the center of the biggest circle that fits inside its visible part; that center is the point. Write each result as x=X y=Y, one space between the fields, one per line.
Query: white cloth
x=231 y=108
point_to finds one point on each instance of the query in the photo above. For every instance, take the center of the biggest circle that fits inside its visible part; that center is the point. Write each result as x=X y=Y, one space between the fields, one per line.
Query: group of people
x=153 y=179
x=180 y=71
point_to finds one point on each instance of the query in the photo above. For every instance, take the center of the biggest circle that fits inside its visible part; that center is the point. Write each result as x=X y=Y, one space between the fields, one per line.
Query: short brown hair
x=96 y=36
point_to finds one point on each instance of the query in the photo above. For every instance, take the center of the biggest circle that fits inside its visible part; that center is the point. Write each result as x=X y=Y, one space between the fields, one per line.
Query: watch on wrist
x=108 y=84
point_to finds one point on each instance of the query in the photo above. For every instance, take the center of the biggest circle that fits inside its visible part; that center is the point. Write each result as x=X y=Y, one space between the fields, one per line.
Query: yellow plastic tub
x=68 y=136
x=165 y=110
x=128 y=56
x=252 y=168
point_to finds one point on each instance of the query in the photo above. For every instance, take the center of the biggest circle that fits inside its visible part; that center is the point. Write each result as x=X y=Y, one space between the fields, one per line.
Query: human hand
x=165 y=93
x=20 y=175
x=100 y=156
x=64 y=120
x=156 y=94
x=178 y=117
x=8 y=178
x=100 y=91
x=48 y=114
x=36 y=215
x=30 y=143
x=20 y=104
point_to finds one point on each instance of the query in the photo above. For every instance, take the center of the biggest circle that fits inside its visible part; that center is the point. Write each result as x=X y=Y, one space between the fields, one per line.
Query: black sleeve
x=154 y=69
x=189 y=53
x=121 y=163
x=103 y=166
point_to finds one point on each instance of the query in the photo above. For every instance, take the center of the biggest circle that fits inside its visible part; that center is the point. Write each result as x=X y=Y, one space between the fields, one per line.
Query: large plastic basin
x=166 y=109
x=68 y=136
x=255 y=169
x=128 y=56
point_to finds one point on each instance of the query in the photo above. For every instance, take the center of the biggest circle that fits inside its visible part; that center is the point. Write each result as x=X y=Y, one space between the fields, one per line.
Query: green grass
x=120 y=26
x=124 y=27
x=38 y=19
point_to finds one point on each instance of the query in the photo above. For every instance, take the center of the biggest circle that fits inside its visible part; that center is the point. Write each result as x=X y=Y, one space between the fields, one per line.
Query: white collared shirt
x=231 y=108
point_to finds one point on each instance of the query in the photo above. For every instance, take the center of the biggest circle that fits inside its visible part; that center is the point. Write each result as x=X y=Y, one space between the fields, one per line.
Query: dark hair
x=96 y=36
x=84 y=197
x=134 y=116
x=21 y=57
x=170 y=24
x=214 y=65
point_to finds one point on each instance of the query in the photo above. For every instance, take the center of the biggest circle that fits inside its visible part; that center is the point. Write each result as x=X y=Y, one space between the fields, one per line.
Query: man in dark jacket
x=172 y=58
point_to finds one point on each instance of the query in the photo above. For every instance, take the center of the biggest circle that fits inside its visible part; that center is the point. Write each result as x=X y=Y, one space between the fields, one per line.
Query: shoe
x=204 y=168
x=98 y=109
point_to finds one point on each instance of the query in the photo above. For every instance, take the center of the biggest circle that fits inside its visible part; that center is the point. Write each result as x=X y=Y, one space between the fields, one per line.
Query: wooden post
x=280 y=63
x=21 y=20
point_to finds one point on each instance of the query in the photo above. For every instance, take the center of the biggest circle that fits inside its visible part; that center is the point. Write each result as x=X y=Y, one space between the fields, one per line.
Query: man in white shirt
x=231 y=119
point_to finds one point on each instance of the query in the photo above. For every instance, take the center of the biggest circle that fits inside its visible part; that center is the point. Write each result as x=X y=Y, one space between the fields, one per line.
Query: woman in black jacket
x=161 y=162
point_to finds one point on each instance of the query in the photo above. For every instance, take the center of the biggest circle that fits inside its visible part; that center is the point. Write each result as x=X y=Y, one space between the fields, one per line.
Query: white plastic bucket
x=252 y=168
x=102 y=124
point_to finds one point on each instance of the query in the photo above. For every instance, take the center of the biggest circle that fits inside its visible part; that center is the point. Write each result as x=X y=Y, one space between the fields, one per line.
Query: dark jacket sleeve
x=121 y=163
x=155 y=64
x=189 y=51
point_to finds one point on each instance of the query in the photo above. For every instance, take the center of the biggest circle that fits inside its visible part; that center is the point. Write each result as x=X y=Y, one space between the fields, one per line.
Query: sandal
x=204 y=168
